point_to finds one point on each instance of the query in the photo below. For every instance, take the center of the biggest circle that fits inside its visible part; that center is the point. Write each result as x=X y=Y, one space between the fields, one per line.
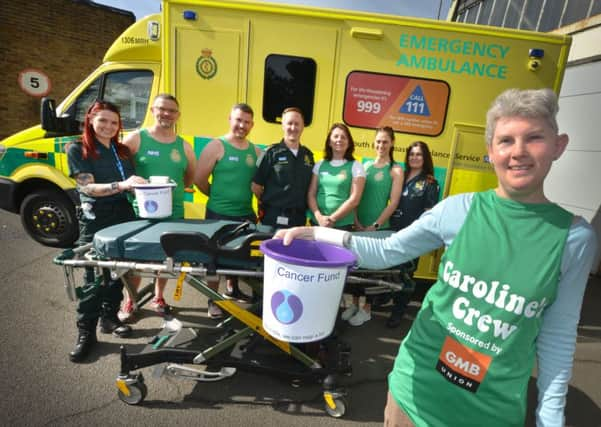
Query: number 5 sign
x=34 y=82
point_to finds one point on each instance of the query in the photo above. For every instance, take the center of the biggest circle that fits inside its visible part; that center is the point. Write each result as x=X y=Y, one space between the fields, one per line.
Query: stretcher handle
x=230 y=232
x=194 y=241
x=227 y=233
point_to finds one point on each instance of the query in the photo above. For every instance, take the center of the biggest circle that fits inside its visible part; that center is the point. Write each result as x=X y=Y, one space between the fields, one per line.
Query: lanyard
x=118 y=161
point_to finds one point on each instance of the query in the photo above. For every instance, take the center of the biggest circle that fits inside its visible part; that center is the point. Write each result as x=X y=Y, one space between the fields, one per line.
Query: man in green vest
x=159 y=151
x=231 y=161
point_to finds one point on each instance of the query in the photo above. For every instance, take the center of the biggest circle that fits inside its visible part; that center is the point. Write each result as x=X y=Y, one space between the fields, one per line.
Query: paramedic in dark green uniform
x=103 y=171
x=284 y=174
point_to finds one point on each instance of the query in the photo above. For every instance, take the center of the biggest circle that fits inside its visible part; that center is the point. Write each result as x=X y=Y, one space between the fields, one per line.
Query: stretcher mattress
x=141 y=241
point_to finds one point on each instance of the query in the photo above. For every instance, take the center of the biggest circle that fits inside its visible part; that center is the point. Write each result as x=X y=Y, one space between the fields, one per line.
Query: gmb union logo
x=286 y=307
x=151 y=206
x=206 y=66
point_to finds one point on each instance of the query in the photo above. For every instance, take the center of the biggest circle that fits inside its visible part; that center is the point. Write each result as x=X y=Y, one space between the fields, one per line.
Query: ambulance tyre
x=48 y=216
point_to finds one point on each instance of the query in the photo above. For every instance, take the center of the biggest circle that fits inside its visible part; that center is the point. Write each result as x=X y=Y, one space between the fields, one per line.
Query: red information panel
x=406 y=104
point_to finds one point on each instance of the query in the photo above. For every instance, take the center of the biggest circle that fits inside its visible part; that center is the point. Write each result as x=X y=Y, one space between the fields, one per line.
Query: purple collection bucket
x=302 y=287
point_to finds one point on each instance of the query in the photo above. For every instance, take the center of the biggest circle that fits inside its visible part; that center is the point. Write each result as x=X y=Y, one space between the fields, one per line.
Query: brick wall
x=66 y=39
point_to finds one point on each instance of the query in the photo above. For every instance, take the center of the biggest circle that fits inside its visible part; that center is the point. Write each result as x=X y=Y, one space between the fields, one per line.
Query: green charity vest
x=468 y=357
x=159 y=159
x=376 y=194
x=230 y=189
x=333 y=189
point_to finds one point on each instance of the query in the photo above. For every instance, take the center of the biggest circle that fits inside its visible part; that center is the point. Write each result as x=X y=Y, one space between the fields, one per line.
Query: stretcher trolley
x=195 y=253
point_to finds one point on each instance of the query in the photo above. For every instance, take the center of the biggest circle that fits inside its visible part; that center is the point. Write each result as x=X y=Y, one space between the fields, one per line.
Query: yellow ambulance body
x=429 y=80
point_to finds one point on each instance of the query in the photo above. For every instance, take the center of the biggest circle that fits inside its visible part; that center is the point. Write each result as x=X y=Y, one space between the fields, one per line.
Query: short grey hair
x=531 y=103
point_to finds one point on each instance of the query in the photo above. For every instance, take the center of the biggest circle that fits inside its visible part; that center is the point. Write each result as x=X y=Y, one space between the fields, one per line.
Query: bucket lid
x=308 y=253
x=150 y=186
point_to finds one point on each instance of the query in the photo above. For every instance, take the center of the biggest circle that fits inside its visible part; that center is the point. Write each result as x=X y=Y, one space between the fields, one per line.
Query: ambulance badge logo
x=416 y=103
x=175 y=156
x=206 y=66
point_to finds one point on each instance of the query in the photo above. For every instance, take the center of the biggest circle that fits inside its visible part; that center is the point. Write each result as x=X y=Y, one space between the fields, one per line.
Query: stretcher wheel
x=339 y=406
x=137 y=393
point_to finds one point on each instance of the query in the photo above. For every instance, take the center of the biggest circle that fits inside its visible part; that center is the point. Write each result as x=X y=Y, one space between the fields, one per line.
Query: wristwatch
x=115 y=186
x=376 y=225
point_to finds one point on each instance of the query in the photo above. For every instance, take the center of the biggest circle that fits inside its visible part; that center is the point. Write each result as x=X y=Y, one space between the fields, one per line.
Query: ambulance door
x=291 y=63
x=469 y=169
x=207 y=79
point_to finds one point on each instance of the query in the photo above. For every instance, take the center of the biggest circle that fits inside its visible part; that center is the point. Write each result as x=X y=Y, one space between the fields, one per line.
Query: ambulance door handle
x=367 y=33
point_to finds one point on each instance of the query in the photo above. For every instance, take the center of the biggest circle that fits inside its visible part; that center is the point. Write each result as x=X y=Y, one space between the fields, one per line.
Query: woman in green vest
x=509 y=289
x=383 y=186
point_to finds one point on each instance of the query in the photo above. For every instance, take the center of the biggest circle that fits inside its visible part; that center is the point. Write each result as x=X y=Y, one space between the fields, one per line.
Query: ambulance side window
x=289 y=82
x=129 y=90
x=89 y=95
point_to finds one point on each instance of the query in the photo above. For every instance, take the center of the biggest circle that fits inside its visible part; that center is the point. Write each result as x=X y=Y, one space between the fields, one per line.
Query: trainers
x=160 y=306
x=126 y=314
x=214 y=311
x=360 y=317
x=349 y=312
x=236 y=295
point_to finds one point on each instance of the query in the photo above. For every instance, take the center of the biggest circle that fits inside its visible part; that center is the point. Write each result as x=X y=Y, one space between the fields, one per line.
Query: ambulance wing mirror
x=48 y=115
x=56 y=125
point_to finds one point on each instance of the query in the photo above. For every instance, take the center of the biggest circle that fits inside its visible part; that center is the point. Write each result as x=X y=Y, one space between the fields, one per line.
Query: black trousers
x=100 y=294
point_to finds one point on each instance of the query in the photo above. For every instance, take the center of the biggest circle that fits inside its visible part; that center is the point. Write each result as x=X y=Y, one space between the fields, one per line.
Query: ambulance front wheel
x=48 y=216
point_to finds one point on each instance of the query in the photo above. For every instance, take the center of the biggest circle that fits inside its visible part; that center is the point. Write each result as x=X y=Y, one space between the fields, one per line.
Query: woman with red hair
x=103 y=171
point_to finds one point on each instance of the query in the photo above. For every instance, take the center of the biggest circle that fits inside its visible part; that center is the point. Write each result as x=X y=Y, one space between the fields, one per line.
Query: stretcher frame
x=241 y=325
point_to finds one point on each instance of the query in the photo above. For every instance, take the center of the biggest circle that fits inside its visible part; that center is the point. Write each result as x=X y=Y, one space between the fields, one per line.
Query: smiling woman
x=509 y=290
x=523 y=148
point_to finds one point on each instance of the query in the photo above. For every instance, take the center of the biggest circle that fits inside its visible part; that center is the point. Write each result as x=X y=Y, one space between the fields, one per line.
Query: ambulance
x=429 y=80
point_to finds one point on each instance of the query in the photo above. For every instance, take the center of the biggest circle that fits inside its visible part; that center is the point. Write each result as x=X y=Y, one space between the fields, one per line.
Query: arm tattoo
x=84 y=180
x=87 y=186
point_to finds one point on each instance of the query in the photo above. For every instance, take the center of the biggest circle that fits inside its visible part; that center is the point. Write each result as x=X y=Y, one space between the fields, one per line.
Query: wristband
x=332 y=235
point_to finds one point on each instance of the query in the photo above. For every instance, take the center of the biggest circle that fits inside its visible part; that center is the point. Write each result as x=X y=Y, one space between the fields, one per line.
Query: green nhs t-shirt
x=468 y=356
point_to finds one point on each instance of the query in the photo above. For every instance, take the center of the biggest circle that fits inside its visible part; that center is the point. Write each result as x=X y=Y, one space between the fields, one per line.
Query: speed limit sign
x=34 y=82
